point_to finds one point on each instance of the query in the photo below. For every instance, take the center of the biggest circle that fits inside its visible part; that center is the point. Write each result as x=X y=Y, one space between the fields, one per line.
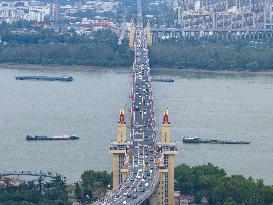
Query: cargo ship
x=45 y=78
x=197 y=140
x=43 y=137
x=168 y=80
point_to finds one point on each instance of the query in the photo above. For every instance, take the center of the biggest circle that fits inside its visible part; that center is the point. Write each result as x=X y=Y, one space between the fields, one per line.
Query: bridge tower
x=148 y=33
x=132 y=35
x=165 y=190
x=118 y=151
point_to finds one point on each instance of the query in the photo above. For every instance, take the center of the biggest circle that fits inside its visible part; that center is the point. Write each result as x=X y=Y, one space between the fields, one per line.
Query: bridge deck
x=143 y=173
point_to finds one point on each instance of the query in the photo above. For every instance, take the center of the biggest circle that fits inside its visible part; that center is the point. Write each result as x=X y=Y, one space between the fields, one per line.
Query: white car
x=125 y=202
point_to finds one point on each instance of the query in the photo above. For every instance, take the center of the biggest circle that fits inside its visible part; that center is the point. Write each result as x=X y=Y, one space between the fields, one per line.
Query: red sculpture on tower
x=166 y=116
x=121 y=116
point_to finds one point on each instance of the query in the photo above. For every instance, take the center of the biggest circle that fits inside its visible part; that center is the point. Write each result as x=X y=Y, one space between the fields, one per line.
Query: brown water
x=208 y=105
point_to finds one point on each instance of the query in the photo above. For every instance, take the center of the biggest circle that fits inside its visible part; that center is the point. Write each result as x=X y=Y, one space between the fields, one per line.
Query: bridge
x=143 y=168
x=159 y=34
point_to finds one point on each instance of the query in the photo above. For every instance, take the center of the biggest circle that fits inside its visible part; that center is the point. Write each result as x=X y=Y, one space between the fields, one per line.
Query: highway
x=143 y=173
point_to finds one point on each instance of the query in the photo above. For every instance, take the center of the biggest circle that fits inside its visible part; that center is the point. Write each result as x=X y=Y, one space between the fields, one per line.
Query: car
x=128 y=195
x=134 y=196
x=125 y=202
x=142 y=190
x=147 y=184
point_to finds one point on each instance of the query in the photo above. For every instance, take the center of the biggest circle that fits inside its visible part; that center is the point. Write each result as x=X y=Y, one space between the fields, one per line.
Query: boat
x=44 y=137
x=167 y=80
x=45 y=78
x=192 y=140
x=198 y=140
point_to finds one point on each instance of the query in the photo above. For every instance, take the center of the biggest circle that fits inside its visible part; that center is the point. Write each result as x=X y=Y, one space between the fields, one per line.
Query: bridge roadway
x=143 y=174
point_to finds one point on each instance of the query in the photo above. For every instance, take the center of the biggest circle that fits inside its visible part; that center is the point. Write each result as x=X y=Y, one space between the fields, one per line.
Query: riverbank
x=98 y=68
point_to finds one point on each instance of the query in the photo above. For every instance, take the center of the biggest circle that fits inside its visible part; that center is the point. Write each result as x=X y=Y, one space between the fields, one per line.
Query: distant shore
x=96 y=68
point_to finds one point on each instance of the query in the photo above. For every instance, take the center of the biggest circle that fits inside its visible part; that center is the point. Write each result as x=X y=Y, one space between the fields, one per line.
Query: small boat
x=167 y=80
x=44 y=137
x=45 y=78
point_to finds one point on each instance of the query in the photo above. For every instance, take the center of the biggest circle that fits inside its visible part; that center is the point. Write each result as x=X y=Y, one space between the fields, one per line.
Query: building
x=35 y=16
x=54 y=12
x=223 y=14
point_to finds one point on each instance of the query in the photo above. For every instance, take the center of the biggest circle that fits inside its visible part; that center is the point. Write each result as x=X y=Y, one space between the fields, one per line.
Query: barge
x=45 y=78
x=168 y=80
x=44 y=137
x=197 y=140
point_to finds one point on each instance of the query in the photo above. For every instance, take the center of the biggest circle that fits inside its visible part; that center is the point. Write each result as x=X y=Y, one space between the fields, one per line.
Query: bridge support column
x=168 y=149
x=132 y=35
x=149 y=33
x=118 y=150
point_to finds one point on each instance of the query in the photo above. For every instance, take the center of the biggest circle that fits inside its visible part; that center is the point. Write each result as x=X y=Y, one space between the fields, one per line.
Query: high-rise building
x=54 y=12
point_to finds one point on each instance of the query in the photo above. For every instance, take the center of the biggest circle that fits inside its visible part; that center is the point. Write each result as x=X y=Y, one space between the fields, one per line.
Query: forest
x=220 y=189
x=48 y=48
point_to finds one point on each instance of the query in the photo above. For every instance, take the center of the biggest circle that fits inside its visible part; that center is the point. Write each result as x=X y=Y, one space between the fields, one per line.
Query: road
x=143 y=173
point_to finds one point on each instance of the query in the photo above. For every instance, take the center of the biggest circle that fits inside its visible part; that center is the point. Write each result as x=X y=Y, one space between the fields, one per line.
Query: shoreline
x=96 y=68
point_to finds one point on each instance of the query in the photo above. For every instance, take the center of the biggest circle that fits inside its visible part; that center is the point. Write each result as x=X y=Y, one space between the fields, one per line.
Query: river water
x=209 y=105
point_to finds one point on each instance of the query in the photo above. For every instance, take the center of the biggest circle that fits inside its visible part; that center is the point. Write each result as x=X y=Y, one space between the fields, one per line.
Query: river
x=228 y=106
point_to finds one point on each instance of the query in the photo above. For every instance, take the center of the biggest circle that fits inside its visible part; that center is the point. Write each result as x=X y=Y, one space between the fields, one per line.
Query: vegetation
x=93 y=185
x=199 y=181
x=213 y=183
x=30 y=193
x=49 y=48
x=46 y=47
x=237 y=55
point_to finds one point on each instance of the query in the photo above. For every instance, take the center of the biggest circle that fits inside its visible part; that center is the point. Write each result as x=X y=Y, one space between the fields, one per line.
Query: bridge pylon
x=149 y=33
x=165 y=189
x=118 y=151
x=132 y=35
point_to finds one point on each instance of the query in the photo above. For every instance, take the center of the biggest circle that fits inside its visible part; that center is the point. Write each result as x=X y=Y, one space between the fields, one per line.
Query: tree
x=198 y=197
x=229 y=201
x=78 y=192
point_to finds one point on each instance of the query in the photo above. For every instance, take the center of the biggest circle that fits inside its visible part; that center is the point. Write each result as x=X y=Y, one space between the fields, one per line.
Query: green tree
x=78 y=192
